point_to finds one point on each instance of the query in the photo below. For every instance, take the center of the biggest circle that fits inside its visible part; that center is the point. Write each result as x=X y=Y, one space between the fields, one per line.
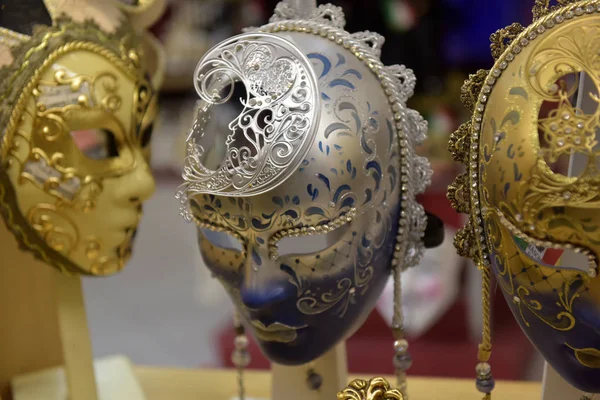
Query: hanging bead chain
x=485 y=381
x=240 y=356
x=402 y=359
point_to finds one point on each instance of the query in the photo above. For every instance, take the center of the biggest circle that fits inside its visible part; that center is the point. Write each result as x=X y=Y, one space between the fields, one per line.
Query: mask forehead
x=353 y=161
x=342 y=70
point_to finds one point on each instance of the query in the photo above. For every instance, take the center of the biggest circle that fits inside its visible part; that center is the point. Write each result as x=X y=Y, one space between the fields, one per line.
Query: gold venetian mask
x=76 y=115
x=533 y=182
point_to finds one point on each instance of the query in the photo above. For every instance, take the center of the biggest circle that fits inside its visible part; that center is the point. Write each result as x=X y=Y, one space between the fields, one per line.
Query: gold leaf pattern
x=464 y=241
x=459 y=141
x=470 y=90
x=458 y=193
x=502 y=38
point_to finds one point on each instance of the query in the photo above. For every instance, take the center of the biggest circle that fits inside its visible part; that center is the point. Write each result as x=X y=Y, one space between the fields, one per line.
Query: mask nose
x=137 y=186
x=264 y=283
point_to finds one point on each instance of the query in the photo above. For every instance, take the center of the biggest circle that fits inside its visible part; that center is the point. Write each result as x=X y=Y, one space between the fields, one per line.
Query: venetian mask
x=77 y=107
x=309 y=197
x=532 y=181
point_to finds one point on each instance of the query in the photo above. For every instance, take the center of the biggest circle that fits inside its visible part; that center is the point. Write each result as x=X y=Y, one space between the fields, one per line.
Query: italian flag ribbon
x=540 y=254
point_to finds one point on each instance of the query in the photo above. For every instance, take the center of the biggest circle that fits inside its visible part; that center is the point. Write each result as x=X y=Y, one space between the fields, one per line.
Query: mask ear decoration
x=106 y=14
x=142 y=13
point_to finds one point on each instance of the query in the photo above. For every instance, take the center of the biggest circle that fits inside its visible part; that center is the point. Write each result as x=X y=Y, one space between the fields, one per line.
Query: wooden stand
x=29 y=337
x=43 y=325
x=77 y=347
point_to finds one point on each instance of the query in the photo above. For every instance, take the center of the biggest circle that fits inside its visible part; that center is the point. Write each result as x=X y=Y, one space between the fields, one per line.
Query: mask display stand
x=290 y=383
x=554 y=387
x=44 y=325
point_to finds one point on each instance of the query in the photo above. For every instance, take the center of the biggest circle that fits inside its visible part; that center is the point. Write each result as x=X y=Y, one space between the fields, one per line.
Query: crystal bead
x=485 y=385
x=402 y=361
x=314 y=380
x=483 y=369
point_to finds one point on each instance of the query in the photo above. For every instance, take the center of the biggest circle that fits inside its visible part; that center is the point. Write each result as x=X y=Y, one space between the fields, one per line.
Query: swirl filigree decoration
x=277 y=125
x=376 y=389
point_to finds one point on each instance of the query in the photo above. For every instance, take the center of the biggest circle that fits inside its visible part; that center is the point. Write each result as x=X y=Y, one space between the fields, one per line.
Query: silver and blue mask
x=308 y=199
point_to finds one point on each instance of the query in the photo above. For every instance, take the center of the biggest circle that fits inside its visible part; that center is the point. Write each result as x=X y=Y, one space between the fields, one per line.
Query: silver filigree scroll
x=276 y=127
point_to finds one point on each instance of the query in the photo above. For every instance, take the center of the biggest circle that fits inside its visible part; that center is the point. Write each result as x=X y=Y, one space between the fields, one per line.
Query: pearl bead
x=241 y=342
x=400 y=346
x=240 y=358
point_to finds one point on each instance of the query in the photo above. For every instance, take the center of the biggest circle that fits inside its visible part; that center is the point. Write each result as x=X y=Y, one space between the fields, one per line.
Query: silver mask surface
x=304 y=205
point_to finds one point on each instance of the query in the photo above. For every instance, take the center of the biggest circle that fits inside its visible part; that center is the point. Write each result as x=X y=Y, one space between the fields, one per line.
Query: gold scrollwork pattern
x=58 y=231
x=375 y=389
x=101 y=265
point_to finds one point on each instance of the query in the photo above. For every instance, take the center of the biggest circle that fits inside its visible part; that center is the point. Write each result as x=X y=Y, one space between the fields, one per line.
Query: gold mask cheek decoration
x=534 y=223
x=78 y=158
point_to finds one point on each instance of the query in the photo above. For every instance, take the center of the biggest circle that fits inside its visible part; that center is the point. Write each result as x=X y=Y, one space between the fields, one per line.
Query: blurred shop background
x=165 y=309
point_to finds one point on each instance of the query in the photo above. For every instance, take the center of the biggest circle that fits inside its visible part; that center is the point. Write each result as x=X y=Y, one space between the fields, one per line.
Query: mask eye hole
x=563 y=136
x=96 y=144
x=222 y=240
x=146 y=135
x=310 y=244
